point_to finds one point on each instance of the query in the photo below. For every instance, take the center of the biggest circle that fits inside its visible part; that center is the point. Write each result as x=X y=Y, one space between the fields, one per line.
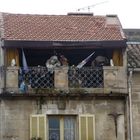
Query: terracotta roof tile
x=133 y=54
x=59 y=28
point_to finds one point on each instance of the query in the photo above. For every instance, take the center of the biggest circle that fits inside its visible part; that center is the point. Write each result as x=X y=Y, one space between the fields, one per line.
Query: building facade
x=63 y=77
x=133 y=56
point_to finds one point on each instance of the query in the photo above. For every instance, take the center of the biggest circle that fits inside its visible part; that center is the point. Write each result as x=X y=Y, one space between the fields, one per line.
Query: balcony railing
x=41 y=77
x=108 y=79
x=85 y=77
x=37 y=77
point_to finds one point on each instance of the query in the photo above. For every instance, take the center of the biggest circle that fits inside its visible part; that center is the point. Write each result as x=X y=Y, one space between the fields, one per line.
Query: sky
x=128 y=11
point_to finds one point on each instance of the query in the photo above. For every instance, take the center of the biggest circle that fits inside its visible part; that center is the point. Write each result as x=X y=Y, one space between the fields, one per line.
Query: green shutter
x=33 y=126
x=42 y=127
x=90 y=124
x=38 y=126
x=86 y=127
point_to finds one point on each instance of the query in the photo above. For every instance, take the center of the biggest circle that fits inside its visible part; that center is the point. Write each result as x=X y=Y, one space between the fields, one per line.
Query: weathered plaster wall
x=136 y=105
x=14 y=116
x=15 y=119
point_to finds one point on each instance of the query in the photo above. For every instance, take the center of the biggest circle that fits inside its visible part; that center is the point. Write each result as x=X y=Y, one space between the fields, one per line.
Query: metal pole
x=130 y=103
x=4 y=89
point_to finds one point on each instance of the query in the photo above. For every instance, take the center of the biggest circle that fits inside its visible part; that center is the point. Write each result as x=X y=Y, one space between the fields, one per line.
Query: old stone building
x=133 y=55
x=134 y=90
x=63 y=77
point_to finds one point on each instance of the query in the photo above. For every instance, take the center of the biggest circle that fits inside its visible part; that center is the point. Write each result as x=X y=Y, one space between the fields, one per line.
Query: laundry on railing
x=81 y=64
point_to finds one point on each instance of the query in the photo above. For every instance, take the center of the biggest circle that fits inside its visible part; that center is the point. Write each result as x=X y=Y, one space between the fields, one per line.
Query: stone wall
x=14 y=116
x=136 y=105
x=14 y=119
x=12 y=79
x=115 y=79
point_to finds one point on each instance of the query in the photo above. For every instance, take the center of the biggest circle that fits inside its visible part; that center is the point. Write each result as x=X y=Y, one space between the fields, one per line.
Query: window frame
x=61 y=119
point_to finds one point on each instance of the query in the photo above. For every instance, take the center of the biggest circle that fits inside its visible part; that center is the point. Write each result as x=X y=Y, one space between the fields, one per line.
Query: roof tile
x=59 y=28
x=133 y=54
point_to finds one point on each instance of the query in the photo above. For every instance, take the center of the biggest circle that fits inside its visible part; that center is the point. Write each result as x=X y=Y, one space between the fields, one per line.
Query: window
x=62 y=127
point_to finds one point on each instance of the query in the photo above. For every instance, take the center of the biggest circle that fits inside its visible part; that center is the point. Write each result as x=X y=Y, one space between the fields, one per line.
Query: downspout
x=4 y=71
x=130 y=102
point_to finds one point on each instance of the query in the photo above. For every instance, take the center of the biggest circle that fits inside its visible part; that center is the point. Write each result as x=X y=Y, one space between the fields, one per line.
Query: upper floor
x=73 y=53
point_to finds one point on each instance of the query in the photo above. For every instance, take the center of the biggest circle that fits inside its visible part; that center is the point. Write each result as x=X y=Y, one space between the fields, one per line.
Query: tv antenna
x=91 y=6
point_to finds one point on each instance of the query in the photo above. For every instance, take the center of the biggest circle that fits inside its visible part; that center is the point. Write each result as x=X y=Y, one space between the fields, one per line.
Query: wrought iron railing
x=41 y=77
x=37 y=77
x=86 y=77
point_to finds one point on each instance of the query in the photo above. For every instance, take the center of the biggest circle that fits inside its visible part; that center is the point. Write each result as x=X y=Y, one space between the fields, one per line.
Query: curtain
x=69 y=128
x=12 y=54
x=117 y=58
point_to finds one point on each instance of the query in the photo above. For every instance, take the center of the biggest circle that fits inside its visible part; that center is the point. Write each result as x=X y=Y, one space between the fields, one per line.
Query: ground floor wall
x=15 y=116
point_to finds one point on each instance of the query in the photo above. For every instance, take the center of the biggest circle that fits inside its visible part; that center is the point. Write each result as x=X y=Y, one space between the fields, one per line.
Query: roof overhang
x=64 y=44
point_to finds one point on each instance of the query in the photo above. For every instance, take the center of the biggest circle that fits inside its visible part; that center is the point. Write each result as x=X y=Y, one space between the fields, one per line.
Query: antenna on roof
x=91 y=6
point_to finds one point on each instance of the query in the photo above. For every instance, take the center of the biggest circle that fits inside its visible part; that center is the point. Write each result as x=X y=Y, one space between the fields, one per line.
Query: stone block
x=12 y=78
x=115 y=78
x=61 y=78
x=135 y=78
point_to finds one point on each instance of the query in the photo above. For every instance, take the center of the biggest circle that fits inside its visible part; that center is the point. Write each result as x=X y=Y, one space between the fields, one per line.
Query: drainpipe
x=4 y=89
x=130 y=103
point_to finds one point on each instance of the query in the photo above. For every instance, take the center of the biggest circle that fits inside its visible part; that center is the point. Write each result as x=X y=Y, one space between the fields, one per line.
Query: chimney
x=79 y=14
x=112 y=20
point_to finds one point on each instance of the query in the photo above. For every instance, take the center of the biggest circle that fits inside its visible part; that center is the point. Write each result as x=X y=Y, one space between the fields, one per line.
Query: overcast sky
x=128 y=11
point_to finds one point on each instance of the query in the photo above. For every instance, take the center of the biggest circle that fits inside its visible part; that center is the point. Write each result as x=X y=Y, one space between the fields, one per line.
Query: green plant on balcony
x=45 y=90
x=48 y=91
x=36 y=138
x=53 y=91
x=77 y=91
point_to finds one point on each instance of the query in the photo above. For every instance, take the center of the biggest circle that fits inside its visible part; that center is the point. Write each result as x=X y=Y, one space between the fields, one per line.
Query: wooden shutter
x=86 y=127
x=117 y=58
x=12 y=54
x=38 y=126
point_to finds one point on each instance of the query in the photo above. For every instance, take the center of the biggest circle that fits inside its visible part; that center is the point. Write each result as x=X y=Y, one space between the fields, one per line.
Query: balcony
x=63 y=79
